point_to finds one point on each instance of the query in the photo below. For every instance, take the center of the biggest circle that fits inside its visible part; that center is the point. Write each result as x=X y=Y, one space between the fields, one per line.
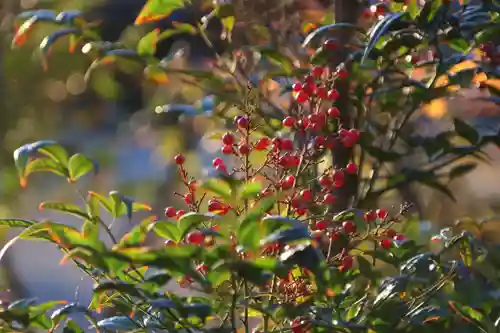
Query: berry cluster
x=289 y=172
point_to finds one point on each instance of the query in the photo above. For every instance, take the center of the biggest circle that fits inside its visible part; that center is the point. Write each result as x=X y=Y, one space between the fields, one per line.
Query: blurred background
x=116 y=124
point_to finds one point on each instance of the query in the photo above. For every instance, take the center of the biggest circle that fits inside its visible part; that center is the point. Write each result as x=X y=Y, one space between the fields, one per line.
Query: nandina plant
x=289 y=236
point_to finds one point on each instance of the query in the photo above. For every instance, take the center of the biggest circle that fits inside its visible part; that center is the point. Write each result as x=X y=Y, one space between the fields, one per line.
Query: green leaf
x=155 y=10
x=218 y=187
x=94 y=198
x=327 y=29
x=68 y=208
x=278 y=59
x=412 y=9
x=124 y=288
x=167 y=230
x=55 y=152
x=250 y=191
x=295 y=233
x=118 y=323
x=466 y=131
x=365 y=267
x=461 y=170
x=191 y=220
x=17 y=223
x=78 y=166
x=380 y=29
x=44 y=165
x=147 y=44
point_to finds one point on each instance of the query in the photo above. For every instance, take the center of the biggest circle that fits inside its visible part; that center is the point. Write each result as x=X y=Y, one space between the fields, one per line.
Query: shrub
x=289 y=233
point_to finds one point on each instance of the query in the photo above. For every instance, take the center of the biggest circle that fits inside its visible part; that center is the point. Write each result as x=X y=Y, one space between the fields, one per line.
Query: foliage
x=294 y=239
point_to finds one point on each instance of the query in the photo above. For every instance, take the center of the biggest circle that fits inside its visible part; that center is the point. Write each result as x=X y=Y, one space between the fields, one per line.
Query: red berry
x=179 y=159
x=243 y=122
x=296 y=87
x=195 y=237
x=317 y=71
x=399 y=237
x=354 y=134
x=334 y=235
x=330 y=44
x=322 y=92
x=306 y=195
x=227 y=149
x=333 y=95
x=221 y=169
x=287 y=145
x=228 y=139
x=349 y=227
x=338 y=176
x=351 y=168
x=180 y=213
x=380 y=10
x=329 y=199
x=262 y=143
x=217 y=162
x=319 y=141
x=288 y=182
x=188 y=198
x=244 y=149
x=333 y=112
x=325 y=181
x=385 y=243
x=301 y=97
x=301 y=211
x=214 y=205
x=347 y=262
x=342 y=73
x=170 y=212
x=382 y=213
x=367 y=13
x=203 y=269
x=370 y=216
x=390 y=233
x=289 y=121
x=321 y=225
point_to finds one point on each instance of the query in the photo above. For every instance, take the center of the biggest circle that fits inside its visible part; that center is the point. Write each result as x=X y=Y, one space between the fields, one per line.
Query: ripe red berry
x=296 y=87
x=301 y=211
x=188 y=198
x=399 y=237
x=170 y=212
x=262 y=143
x=325 y=181
x=385 y=243
x=217 y=162
x=287 y=145
x=214 y=205
x=330 y=44
x=227 y=149
x=195 y=237
x=321 y=225
x=243 y=122
x=228 y=139
x=334 y=235
x=367 y=13
x=349 y=227
x=347 y=262
x=306 y=195
x=319 y=141
x=382 y=213
x=329 y=199
x=351 y=168
x=317 y=71
x=179 y=159
x=289 y=121
x=333 y=95
x=390 y=233
x=322 y=92
x=342 y=73
x=333 y=112
x=301 y=97
x=180 y=213
x=244 y=149
x=370 y=216
x=338 y=176
x=288 y=182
